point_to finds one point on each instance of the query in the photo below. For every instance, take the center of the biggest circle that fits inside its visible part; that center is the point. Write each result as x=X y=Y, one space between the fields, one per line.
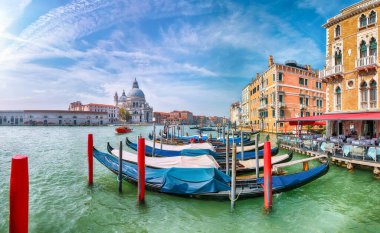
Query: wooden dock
x=340 y=161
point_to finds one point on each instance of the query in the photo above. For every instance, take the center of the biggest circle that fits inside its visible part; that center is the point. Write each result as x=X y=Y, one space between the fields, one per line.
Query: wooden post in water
x=306 y=166
x=233 y=180
x=257 y=155
x=141 y=170
x=242 y=145
x=19 y=195
x=267 y=176
x=120 y=170
x=90 y=151
x=154 y=139
x=227 y=153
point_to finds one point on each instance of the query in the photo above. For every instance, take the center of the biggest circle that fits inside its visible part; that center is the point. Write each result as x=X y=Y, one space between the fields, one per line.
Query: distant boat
x=123 y=129
x=207 y=129
x=194 y=127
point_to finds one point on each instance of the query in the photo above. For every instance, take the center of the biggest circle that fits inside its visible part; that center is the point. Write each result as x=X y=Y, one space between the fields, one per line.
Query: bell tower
x=116 y=99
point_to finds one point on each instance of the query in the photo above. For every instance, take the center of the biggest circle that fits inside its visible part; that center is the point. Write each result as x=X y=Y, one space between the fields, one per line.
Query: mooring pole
x=224 y=133
x=242 y=144
x=257 y=155
x=227 y=153
x=120 y=171
x=19 y=195
x=141 y=170
x=154 y=139
x=267 y=176
x=233 y=180
x=90 y=151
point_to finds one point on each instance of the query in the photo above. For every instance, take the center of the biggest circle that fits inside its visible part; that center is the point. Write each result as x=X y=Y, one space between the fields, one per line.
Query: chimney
x=270 y=60
x=309 y=68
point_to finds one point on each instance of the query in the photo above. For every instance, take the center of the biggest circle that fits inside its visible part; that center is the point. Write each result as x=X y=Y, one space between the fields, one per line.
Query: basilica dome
x=135 y=92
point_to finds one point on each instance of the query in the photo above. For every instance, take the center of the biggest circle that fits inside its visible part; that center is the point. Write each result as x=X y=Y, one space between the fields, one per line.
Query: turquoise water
x=61 y=201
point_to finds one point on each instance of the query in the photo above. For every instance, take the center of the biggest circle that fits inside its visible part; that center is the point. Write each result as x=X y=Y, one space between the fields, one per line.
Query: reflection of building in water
x=135 y=104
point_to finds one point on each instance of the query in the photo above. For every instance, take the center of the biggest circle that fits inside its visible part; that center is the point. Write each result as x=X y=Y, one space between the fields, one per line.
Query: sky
x=186 y=55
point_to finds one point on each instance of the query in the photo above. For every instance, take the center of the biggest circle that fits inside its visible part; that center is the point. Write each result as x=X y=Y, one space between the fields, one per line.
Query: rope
x=236 y=197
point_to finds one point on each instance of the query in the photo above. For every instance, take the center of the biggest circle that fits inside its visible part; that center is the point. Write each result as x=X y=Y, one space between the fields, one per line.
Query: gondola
x=208 y=182
x=195 y=152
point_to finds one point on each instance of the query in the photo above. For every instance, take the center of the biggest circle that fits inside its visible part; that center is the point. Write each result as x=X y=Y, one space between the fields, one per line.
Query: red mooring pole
x=19 y=195
x=267 y=176
x=90 y=151
x=141 y=170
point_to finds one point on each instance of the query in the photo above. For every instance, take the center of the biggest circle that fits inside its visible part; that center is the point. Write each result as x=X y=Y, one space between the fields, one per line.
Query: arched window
x=337 y=31
x=338 y=98
x=363 y=49
x=364 y=95
x=373 y=47
x=338 y=57
x=363 y=21
x=372 y=17
x=373 y=94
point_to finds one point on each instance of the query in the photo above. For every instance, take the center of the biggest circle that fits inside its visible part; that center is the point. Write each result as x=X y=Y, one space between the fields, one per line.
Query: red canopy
x=307 y=123
x=335 y=116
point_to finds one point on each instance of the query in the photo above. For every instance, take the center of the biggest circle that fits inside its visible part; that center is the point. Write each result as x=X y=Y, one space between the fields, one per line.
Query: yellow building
x=285 y=91
x=351 y=65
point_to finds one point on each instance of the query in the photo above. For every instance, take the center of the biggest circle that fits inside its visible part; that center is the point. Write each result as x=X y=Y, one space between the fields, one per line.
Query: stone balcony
x=303 y=106
x=366 y=63
x=263 y=107
x=279 y=105
x=331 y=72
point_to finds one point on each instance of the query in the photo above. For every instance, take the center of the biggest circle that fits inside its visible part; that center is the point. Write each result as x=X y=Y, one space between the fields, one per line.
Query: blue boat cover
x=172 y=180
x=279 y=182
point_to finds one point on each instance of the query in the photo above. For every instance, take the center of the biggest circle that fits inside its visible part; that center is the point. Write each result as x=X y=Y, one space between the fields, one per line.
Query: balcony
x=331 y=72
x=281 y=104
x=338 y=107
x=273 y=105
x=263 y=107
x=366 y=63
x=303 y=106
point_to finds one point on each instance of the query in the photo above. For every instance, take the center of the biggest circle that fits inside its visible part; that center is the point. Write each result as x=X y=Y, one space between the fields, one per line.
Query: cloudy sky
x=193 y=55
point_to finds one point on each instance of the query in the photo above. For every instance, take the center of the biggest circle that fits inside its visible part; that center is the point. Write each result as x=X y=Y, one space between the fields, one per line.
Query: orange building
x=285 y=91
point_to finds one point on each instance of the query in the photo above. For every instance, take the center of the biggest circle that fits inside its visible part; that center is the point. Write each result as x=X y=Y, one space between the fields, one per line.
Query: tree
x=124 y=115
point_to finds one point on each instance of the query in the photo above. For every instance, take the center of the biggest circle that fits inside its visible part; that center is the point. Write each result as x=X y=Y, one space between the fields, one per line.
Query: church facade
x=134 y=102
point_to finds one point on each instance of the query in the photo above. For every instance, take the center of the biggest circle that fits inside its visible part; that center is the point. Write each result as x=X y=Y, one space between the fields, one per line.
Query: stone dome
x=123 y=98
x=136 y=92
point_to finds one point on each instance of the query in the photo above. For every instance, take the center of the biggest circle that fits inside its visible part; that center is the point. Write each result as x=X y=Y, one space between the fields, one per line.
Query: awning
x=313 y=123
x=336 y=116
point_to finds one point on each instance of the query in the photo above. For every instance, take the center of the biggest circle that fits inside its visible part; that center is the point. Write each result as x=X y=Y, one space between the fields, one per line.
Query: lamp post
x=154 y=135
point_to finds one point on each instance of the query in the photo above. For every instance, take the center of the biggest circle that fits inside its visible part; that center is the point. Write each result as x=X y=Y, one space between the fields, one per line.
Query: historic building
x=285 y=91
x=351 y=66
x=111 y=110
x=235 y=113
x=245 y=106
x=134 y=102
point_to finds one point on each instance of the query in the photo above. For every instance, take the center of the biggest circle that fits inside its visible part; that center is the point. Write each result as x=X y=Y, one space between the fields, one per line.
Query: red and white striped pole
x=19 y=195
x=141 y=170
x=90 y=151
x=267 y=176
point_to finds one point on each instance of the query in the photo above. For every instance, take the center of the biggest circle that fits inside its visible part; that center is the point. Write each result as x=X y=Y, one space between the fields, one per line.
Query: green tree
x=124 y=115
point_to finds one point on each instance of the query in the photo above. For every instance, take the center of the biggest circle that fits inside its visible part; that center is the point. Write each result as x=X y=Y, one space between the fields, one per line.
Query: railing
x=263 y=106
x=364 y=104
x=273 y=105
x=330 y=71
x=281 y=104
x=373 y=104
x=338 y=107
x=303 y=106
x=366 y=61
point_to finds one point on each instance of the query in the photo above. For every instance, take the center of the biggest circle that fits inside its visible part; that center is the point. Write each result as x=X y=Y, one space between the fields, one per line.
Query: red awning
x=307 y=123
x=336 y=116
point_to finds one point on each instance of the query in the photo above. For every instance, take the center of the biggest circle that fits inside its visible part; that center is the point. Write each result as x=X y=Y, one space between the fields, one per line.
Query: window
x=301 y=100
x=306 y=80
x=307 y=113
x=338 y=98
x=363 y=21
x=372 y=18
x=363 y=49
x=318 y=85
x=373 y=94
x=282 y=113
x=337 y=31
x=306 y=101
x=301 y=81
x=301 y=114
x=274 y=77
x=280 y=98
x=280 y=76
x=364 y=95
x=273 y=113
x=373 y=47
x=338 y=57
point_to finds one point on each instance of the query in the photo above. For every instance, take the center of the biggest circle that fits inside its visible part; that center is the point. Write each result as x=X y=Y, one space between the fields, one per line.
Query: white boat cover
x=202 y=161
x=248 y=148
x=191 y=146
x=251 y=163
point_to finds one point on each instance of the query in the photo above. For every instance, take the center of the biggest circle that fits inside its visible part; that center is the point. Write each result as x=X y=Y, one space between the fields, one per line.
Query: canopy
x=313 y=123
x=335 y=116
x=191 y=146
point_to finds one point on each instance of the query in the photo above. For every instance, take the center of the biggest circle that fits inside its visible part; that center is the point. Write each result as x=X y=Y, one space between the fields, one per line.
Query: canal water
x=61 y=201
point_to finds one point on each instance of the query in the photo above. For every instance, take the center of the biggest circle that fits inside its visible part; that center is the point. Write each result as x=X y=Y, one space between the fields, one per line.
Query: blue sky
x=193 y=55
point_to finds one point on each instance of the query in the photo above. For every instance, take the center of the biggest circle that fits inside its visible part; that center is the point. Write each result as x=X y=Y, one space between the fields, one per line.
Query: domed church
x=135 y=104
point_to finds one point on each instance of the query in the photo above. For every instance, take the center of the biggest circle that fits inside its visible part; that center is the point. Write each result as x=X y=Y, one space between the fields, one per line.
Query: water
x=61 y=201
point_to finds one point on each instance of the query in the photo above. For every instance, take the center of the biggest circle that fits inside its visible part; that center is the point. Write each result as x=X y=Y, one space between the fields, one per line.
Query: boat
x=123 y=129
x=202 y=161
x=206 y=182
x=192 y=151
x=207 y=129
x=194 y=127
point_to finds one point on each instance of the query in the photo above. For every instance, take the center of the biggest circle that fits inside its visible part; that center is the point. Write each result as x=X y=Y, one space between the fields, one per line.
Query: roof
x=357 y=116
x=101 y=105
x=65 y=111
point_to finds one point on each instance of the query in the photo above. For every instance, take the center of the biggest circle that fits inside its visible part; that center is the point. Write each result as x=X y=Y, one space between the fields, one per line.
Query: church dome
x=123 y=98
x=136 y=92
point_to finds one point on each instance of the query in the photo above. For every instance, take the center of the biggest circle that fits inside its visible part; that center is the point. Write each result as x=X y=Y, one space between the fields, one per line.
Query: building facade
x=285 y=91
x=111 y=110
x=245 y=106
x=53 y=117
x=134 y=102
x=235 y=113
x=351 y=66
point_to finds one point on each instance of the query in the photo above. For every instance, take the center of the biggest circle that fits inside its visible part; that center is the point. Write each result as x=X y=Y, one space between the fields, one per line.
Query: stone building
x=134 y=102
x=235 y=113
x=285 y=91
x=111 y=110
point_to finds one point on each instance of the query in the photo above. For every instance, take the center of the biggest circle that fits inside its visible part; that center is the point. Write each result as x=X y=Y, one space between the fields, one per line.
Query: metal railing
x=366 y=61
x=332 y=70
